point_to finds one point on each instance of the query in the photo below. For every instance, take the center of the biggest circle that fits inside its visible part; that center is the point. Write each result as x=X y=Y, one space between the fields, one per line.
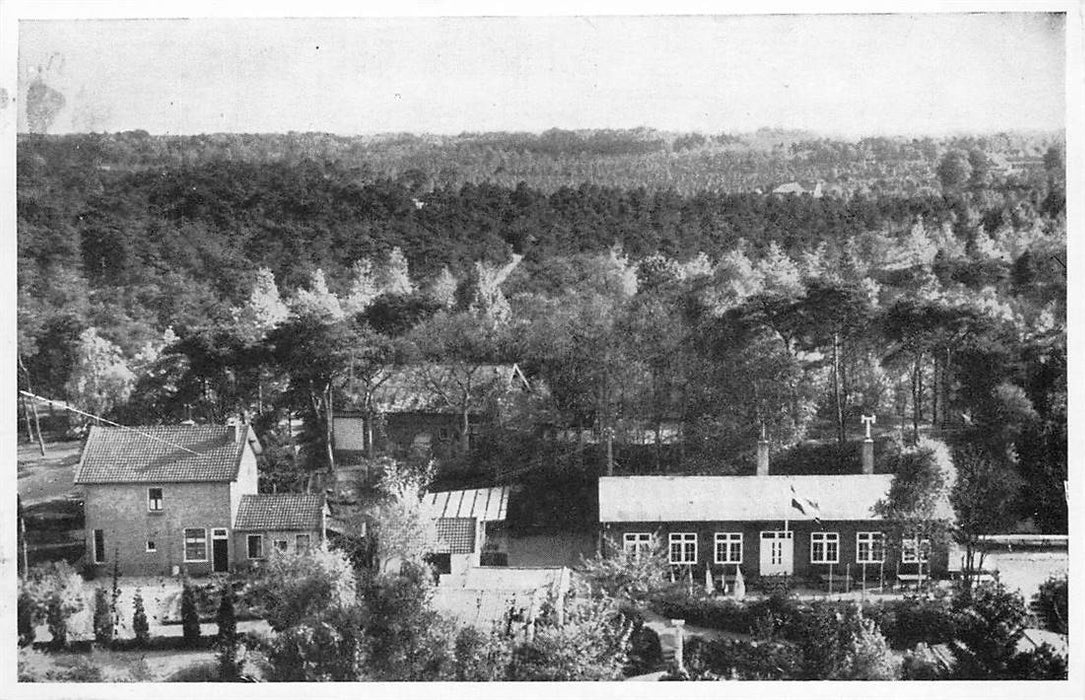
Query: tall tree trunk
x=328 y=428
x=26 y=417
x=917 y=398
x=841 y=434
x=934 y=389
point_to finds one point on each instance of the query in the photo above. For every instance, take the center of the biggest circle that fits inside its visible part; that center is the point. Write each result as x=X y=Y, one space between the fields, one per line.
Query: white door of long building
x=777 y=552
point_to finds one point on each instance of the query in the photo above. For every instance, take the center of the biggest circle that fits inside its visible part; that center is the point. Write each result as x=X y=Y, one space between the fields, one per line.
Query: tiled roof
x=160 y=454
x=456 y=535
x=706 y=498
x=280 y=511
x=435 y=388
x=483 y=504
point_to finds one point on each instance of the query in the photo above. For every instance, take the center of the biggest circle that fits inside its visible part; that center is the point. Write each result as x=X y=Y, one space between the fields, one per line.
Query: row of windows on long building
x=824 y=547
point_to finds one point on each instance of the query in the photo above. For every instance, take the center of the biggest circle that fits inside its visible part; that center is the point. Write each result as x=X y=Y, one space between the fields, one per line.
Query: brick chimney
x=868 y=446
x=763 y=454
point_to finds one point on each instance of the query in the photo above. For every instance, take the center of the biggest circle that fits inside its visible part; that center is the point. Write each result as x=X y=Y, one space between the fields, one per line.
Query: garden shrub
x=140 y=626
x=920 y=664
x=103 y=617
x=645 y=650
x=26 y=618
x=991 y=621
x=915 y=619
x=716 y=613
x=481 y=657
x=1052 y=602
x=227 y=639
x=1040 y=664
x=190 y=616
x=740 y=660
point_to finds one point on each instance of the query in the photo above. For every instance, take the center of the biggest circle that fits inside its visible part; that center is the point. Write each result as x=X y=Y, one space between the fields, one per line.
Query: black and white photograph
x=451 y=343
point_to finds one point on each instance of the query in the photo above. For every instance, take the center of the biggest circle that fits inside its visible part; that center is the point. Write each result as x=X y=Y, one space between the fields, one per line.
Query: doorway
x=220 y=550
x=777 y=552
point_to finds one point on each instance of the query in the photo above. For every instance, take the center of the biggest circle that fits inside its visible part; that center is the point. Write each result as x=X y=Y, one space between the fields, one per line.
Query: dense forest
x=651 y=284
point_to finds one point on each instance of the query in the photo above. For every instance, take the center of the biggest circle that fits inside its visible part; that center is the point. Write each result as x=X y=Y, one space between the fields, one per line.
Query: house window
x=151 y=546
x=728 y=547
x=910 y=553
x=683 y=547
x=824 y=547
x=99 y=546
x=869 y=547
x=636 y=542
x=301 y=543
x=154 y=500
x=195 y=544
x=255 y=544
x=281 y=545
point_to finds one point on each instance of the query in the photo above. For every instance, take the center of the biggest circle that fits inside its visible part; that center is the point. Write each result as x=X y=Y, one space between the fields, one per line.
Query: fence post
x=678 y=625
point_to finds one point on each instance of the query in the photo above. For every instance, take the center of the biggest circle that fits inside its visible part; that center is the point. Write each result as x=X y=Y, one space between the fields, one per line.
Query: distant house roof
x=812 y=188
x=482 y=504
x=162 y=454
x=706 y=498
x=280 y=511
x=434 y=388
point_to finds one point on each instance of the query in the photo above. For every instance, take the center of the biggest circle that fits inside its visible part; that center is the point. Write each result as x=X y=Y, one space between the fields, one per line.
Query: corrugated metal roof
x=154 y=454
x=706 y=498
x=482 y=504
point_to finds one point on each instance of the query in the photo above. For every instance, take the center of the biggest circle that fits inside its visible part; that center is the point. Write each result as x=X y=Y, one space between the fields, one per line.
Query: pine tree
x=363 y=288
x=190 y=617
x=139 y=620
x=266 y=308
x=394 y=277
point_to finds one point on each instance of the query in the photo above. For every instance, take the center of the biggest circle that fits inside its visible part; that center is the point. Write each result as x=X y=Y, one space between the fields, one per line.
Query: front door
x=220 y=550
x=777 y=552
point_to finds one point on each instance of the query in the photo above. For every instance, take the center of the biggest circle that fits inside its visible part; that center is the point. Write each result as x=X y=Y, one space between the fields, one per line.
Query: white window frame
x=152 y=546
x=308 y=542
x=284 y=549
x=868 y=539
x=636 y=542
x=184 y=543
x=156 y=505
x=682 y=540
x=914 y=550
x=728 y=540
x=824 y=539
x=248 y=546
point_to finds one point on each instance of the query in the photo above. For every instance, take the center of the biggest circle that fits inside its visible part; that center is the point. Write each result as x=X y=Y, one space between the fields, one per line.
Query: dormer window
x=154 y=500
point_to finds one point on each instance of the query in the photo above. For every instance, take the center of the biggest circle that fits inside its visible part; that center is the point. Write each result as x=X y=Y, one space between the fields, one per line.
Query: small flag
x=805 y=506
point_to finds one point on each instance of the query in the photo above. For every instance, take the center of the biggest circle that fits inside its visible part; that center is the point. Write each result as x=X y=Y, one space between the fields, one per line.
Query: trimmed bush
x=190 y=617
x=103 y=617
x=926 y=619
x=227 y=640
x=140 y=626
x=920 y=664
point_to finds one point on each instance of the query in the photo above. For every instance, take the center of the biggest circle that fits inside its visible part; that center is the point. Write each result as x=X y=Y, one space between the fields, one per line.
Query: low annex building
x=809 y=526
x=162 y=500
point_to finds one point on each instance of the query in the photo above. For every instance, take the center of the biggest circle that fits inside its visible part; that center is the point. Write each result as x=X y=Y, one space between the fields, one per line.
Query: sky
x=847 y=75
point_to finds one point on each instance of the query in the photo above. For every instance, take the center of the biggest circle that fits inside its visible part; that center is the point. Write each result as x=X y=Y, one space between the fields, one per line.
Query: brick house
x=282 y=522
x=165 y=499
x=806 y=526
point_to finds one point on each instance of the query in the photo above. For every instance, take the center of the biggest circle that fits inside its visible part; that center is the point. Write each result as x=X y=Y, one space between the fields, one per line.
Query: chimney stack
x=868 y=445
x=763 y=454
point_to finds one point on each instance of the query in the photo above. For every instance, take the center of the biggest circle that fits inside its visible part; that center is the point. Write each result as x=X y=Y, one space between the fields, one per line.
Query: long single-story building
x=805 y=526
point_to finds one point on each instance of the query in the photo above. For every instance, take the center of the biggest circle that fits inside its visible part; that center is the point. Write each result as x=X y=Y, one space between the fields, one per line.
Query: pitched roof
x=161 y=454
x=433 y=388
x=280 y=511
x=706 y=498
x=482 y=504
